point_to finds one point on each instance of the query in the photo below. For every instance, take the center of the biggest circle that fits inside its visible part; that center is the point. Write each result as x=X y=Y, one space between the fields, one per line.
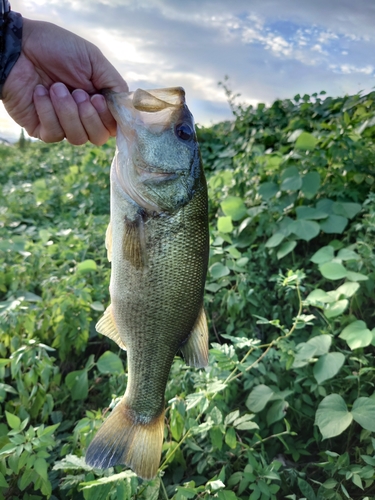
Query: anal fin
x=195 y=350
x=107 y=326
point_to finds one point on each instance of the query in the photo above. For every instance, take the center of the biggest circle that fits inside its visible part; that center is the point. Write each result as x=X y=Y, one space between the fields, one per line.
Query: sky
x=269 y=49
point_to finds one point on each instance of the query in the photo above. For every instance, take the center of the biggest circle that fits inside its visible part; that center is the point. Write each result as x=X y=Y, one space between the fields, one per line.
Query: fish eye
x=184 y=131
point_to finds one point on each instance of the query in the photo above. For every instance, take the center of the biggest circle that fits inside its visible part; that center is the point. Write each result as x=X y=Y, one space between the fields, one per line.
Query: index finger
x=100 y=104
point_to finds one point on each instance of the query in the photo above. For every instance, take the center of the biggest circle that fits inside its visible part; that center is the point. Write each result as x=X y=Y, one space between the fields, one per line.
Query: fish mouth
x=153 y=176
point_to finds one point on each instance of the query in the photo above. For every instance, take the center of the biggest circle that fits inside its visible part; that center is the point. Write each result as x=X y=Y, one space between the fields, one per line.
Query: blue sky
x=269 y=48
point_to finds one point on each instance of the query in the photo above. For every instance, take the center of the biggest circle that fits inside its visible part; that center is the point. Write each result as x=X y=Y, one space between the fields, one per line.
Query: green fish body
x=157 y=242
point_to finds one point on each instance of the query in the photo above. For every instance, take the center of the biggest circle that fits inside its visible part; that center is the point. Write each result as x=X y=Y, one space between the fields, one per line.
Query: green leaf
x=275 y=240
x=27 y=477
x=44 y=235
x=97 y=306
x=218 y=270
x=267 y=190
x=336 y=308
x=185 y=493
x=72 y=462
x=78 y=384
x=328 y=366
x=231 y=417
x=216 y=437
x=258 y=398
x=306 y=142
x=306 y=489
x=348 y=289
x=285 y=249
x=245 y=423
x=322 y=343
x=347 y=254
x=348 y=210
x=363 y=412
x=319 y=296
x=304 y=354
x=305 y=229
x=14 y=422
x=357 y=481
x=291 y=183
x=176 y=425
x=224 y=224
x=230 y=438
x=109 y=362
x=334 y=224
x=3 y=483
x=289 y=172
x=352 y=276
x=333 y=270
x=86 y=266
x=40 y=465
x=113 y=478
x=234 y=207
x=277 y=411
x=329 y=484
x=357 y=335
x=332 y=416
x=226 y=495
x=310 y=213
x=324 y=254
x=310 y=184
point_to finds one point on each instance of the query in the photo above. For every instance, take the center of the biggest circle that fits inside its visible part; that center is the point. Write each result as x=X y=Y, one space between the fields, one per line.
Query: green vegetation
x=286 y=408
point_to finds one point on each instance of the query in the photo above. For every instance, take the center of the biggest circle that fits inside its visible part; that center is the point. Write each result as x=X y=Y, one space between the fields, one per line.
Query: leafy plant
x=286 y=407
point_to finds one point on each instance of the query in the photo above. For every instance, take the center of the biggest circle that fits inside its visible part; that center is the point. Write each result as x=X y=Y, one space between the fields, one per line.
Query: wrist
x=10 y=40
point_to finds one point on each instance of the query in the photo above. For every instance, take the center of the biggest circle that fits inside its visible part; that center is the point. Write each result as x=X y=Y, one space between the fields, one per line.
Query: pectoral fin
x=195 y=351
x=106 y=326
x=134 y=246
x=108 y=242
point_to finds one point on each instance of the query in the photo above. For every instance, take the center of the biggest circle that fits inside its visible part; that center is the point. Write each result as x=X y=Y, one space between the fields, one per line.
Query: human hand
x=52 y=63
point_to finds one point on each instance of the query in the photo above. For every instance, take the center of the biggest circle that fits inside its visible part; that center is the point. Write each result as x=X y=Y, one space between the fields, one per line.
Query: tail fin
x=123 y=440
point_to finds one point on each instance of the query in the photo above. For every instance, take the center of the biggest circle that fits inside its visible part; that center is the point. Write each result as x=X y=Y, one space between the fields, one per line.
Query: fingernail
x=59 y=90
x=79 y=96
x=98 y=101
x=40 y=91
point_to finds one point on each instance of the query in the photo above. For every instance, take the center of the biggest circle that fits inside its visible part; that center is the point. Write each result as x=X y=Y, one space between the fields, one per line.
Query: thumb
x=106 y=76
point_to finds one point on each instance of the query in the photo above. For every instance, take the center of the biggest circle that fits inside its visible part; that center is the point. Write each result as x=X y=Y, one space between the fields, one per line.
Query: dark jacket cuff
x=10 y=43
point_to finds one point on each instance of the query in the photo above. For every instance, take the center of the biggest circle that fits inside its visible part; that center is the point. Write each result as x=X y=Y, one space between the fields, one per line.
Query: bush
x=286 y=408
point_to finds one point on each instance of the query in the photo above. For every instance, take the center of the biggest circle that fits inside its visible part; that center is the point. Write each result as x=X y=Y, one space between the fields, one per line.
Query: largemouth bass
x=157 y=242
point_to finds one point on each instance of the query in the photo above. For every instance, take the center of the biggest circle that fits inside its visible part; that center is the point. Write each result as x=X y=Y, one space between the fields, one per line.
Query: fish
x=158 y=244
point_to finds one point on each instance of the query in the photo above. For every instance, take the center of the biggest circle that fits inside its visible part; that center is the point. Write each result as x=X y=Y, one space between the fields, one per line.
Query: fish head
x=157 y=159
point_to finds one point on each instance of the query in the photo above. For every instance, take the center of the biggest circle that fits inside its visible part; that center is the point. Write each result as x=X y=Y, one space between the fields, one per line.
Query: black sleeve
x=10 y=40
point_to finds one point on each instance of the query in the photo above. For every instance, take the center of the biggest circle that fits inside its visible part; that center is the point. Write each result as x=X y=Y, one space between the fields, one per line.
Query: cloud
x=269 y=48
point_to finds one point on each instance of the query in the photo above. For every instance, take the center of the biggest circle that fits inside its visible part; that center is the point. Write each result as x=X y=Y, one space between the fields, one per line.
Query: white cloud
x=269 y=48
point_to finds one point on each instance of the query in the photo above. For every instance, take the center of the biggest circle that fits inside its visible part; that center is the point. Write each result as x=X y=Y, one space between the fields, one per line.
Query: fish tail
x=126 y=439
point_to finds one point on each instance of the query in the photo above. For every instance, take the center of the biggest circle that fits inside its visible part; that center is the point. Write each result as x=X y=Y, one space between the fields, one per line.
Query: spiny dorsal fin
x=106 y=326
x=195 y=351
x=134 y=246
x=108 y=242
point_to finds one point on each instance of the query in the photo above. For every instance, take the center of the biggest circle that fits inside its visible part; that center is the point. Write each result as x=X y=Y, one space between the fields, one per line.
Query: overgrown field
x=286 y=408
